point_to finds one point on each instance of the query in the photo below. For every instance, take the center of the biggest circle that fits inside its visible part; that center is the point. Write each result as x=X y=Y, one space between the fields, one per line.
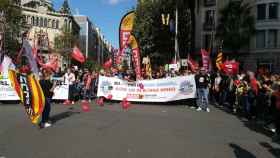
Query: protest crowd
x=255 y=96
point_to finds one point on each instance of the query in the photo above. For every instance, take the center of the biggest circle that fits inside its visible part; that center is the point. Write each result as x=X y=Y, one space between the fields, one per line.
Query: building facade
x=88 y=36
x=264 y=49
x=265 y=45
x=46 y=24
x=92 y=42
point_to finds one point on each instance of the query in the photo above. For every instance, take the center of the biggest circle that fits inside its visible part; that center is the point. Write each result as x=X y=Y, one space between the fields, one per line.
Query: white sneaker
x=198 y=109
x=46 y=125
x=208 y=110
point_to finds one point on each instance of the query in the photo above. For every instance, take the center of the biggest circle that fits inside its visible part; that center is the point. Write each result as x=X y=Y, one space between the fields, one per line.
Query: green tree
x=236 y=25
x=156 y=39
x=13 y=25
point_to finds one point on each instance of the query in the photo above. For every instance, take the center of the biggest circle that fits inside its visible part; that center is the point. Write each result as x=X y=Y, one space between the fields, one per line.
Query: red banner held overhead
x=230 y=67
x=205 y=59
x=194 y=66
x=135 y=56
x=78 y=55
x=108 y=64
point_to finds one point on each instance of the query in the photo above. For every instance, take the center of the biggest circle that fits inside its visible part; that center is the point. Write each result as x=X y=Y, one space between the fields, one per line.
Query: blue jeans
x=202 y=100
x=86 y=94
x=46 y=111
x=246 y=103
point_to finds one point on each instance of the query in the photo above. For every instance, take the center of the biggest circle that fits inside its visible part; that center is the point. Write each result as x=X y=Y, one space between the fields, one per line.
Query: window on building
x=273 y=10
x=65 y=24
x=209 y=17
x=24 y=19
x=70 y=25
x=37 y=21
x=53 y=23
x=261 y=11
x=28 y=19
x=45 y=22
x=207 y=41
x=260 y=39
x=49 y=22
x=272 y=38
x=41 y=22
x=57 y=24
x=32 y=21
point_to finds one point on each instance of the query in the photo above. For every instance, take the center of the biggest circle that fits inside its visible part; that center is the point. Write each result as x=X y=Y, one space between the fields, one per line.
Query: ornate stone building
x=46 y=24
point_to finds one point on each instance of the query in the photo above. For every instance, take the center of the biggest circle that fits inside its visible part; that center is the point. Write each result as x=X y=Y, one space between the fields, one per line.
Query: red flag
x=52 y=64
x=205 y=59
x=78 y=55
x=108 y=64
x=230 y=67
x=192 y=64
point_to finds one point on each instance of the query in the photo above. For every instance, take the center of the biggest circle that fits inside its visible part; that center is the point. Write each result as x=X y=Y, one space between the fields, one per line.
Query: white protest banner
x=7 y=92
x=61 y=90
x=158 y=90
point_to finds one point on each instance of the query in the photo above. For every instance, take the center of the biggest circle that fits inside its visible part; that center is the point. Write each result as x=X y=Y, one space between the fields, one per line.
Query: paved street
x=150 y=131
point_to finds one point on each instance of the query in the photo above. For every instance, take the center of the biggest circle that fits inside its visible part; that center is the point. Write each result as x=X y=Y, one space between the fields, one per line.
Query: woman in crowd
x=216 y=89
x=69 y=78
x=87 y=79
x=48 y=88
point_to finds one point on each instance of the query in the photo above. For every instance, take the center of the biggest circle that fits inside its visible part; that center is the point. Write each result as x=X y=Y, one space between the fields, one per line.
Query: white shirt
x=218 y=81
x=69 y=78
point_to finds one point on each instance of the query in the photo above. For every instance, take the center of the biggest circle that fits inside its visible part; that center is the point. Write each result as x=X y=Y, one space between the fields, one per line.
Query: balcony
x=208 y=26
x=209 y=3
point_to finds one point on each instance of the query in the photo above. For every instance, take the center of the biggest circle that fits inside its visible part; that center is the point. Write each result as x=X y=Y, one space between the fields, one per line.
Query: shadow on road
x=274 y=151
x=240 y=152
x=251 y=124
x=63 y=115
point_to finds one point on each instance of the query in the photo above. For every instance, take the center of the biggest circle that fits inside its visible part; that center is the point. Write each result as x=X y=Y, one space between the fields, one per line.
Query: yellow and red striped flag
x=219 y=60
x=32 y=94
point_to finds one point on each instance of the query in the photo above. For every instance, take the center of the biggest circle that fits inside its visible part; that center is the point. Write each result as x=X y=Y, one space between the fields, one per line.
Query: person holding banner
x=48 y=89
x=202 y=82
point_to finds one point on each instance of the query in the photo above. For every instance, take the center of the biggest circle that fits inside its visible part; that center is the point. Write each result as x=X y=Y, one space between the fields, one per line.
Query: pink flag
x=205 y=59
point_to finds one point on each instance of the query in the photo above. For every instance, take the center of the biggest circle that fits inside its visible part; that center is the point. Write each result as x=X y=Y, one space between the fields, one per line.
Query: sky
x=105 y=14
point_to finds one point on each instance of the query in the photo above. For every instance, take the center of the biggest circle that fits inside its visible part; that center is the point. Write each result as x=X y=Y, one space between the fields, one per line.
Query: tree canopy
x=236 y=25
x=156 y=39
x=13 y=24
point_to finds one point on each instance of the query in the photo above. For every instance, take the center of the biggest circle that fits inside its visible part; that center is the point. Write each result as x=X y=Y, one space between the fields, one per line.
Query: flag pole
x=176 y=35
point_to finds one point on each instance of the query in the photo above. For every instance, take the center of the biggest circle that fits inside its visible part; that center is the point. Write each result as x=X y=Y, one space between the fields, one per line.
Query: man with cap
x=202 y=84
